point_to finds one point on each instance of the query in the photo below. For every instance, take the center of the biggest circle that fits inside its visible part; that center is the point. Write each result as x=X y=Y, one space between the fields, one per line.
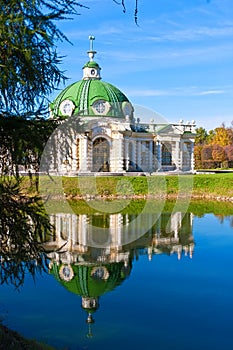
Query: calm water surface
x=172 y=288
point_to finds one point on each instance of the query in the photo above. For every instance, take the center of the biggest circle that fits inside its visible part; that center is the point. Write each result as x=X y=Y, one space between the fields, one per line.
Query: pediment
x=170 y=129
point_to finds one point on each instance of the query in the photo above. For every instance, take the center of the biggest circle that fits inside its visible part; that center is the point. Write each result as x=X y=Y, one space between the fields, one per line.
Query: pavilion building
x=106 y=137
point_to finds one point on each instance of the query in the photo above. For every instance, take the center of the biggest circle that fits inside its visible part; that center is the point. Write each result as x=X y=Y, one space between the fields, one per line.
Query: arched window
x=101 y=153
x=166 y=154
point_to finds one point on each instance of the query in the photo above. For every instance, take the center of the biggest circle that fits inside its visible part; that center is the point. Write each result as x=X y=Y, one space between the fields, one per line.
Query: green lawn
x=198 y=185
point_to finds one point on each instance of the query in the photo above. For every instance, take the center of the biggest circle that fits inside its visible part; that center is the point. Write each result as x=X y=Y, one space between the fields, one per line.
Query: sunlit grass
x=199 y=185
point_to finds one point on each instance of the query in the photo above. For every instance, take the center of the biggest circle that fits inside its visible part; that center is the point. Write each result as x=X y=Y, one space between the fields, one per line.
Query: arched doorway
x=101 y=153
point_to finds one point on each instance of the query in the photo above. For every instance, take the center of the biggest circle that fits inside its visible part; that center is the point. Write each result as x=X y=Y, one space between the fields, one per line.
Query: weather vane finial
x=91 y=38
x=91 y=52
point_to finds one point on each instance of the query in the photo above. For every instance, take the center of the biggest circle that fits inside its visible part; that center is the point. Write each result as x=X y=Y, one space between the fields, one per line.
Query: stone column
x=115 y=230
x=151 y=156
x=82 y=230
x=159 y=155
x=113 y=156
x=139 y=153
x=84 y=154
x=134 y=153
x=73 y=157
x=120 y=155
x=178 y=163
x=74 y=229
x=58 y=228
x=181 y=154
x=192 y=160
x=116 y=159
x=126 y=155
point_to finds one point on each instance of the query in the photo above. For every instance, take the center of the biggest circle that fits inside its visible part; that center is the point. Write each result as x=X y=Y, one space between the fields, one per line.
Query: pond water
x=117 y=281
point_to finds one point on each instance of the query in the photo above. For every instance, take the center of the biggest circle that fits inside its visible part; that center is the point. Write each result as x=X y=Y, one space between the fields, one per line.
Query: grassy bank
x=203 y=192
x=198 y=186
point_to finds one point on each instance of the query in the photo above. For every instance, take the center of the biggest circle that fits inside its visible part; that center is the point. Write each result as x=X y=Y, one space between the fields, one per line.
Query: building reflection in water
x=89 y=254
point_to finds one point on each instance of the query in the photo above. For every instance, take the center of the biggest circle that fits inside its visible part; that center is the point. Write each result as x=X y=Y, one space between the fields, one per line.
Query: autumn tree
x=222 y=136
x=230 y=135
x=207 y=157
x=229 y=152
x=206 y=153
x=197 y=156
x=214 y=148
x=218 y=153
x=210 y=136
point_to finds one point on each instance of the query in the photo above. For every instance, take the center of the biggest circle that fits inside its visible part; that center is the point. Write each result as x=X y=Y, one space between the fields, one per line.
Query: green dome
x=91 y=97
x=87 y=281
x=92 y=64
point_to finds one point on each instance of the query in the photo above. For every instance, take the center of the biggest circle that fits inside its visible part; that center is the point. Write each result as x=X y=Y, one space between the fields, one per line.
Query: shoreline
x=89 y=197
x=12 y=340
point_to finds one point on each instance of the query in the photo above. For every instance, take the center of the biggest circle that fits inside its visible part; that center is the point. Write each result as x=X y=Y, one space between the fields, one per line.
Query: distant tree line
x=214 y=149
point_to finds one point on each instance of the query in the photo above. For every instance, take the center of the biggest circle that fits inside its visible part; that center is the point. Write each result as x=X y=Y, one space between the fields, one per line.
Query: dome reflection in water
x=174 y=283
x=91 y=271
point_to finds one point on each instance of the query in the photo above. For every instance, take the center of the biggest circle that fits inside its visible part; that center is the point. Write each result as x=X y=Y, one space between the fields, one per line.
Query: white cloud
x=194 y=34
x=211 y=92
x=176 y=91
x=174 y=56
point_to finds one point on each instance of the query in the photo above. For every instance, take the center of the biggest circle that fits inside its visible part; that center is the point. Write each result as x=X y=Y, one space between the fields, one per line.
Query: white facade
x=112 y=146
x=79 y=235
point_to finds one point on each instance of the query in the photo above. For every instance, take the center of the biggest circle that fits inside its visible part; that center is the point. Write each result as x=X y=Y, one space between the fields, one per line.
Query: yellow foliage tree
x=222 y=137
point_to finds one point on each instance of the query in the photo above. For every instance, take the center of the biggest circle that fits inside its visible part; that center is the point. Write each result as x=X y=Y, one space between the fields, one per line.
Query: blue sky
x=177 y=62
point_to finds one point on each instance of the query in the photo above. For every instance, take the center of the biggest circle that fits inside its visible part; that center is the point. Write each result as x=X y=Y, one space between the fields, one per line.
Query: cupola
x=91 y=69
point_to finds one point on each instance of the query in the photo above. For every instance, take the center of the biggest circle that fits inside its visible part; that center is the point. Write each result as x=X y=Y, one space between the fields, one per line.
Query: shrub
x=206 y=153
x=210 y=164
x=229 y=152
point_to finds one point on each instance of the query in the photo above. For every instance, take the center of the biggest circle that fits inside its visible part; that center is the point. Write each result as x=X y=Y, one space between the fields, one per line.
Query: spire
x=91 y=52
x=89 y=321
x=91 y=69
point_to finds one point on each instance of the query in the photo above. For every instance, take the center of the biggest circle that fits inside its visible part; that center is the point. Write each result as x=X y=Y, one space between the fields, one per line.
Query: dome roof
x=91 y=281
x=90 y=97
